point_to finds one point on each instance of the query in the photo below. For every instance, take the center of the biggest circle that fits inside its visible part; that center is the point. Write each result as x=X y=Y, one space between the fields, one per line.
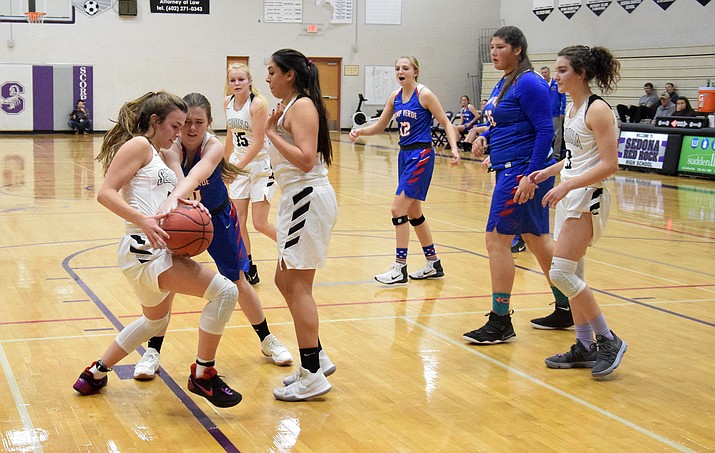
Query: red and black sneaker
x=86 y=384
x=212 y=387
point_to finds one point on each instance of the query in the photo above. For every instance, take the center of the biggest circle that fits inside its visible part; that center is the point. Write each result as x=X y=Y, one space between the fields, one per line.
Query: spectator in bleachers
x=666 y=108
x=683 y=108
x=645 y=108
x=670 y=89
x=558 y=107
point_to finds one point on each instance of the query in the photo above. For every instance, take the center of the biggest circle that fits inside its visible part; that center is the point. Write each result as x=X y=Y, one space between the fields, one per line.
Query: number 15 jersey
x=241 y=125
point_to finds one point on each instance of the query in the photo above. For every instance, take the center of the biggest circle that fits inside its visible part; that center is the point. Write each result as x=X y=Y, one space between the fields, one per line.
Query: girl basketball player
x=298 y=129
x=519 y=137
x=136 y=183
x=413 y=106
x=200 y=156
x=468 y=115
x=246 y=116
x=583 y=202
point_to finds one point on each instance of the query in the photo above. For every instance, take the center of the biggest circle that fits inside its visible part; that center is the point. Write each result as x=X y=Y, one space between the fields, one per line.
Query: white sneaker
x=395 y=274
x=275 y=352
x=326 y=365
x=148 y=366
x=306 y=386
x=433 y=269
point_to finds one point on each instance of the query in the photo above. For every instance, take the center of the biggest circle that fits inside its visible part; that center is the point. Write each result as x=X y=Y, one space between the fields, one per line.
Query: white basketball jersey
x=581 y=144
x=241 y=124
x=288 y=175
x=148 y=188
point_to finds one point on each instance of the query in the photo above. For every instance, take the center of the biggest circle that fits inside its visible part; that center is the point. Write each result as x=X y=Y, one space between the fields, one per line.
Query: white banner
x=642 y=149
x=16 y=101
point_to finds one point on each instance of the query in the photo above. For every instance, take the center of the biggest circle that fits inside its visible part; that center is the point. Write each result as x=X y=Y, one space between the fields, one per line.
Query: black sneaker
x=252 y=274
x=212 y=387
x=86 y=384
x=497 y=330
x=577 y=357
x=610 y=353
x=518 y=245
x=561 y=318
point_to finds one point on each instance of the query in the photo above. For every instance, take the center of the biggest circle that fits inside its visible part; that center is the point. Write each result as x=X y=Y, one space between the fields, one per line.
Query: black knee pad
x=399 y=220
x=418 y=221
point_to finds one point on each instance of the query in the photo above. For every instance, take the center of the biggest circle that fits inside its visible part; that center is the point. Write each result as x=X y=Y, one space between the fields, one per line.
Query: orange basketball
x=190 y=230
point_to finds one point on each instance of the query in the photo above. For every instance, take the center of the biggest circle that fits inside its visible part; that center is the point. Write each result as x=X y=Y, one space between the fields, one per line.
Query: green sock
x=561 y=300
x=500 y=303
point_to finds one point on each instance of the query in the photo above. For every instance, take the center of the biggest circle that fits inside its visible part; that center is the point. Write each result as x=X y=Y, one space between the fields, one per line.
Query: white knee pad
x=222 y=295
x=563 y=276
x=136 y=333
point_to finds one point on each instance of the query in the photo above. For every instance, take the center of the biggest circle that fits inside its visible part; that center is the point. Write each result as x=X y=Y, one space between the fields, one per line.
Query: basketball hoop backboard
x=56 y=11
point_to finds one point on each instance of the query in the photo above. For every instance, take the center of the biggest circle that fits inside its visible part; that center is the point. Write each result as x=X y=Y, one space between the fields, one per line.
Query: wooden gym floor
x=406 y=381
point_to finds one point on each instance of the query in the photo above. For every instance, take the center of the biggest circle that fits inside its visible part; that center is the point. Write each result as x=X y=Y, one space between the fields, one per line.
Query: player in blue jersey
x=519 y=139
x=583 y=201
x=413 y=106
x=200 y=157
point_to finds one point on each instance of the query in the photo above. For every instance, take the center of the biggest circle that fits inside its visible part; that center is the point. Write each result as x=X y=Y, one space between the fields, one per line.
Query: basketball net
x=35 y=18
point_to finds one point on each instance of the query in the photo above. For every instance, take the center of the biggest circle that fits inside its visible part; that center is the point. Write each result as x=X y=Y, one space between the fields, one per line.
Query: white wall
x=184 y=53
x=686 y=22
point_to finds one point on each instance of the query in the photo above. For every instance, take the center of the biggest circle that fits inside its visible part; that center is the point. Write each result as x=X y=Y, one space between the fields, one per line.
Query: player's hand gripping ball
x=190 y=230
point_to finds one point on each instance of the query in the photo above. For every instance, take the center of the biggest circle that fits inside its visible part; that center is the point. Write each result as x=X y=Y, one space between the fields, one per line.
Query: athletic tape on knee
x=563 y=276
x=418 y=221
x=222 y=295
x=399 y=220
x=139 y=331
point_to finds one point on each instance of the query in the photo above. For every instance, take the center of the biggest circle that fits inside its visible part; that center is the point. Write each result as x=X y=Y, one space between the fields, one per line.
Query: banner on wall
x=598 y=6
x=697 y=155
x=664 y=4
x=629 y=5
x=92 y=7
x=543 y=8
x=642 y=149
x=569 y=7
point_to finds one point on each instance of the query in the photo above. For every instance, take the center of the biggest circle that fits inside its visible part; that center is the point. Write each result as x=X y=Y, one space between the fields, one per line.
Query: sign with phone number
x=179 y=6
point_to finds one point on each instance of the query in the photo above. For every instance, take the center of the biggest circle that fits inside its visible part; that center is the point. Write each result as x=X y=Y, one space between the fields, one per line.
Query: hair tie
x=310 y=61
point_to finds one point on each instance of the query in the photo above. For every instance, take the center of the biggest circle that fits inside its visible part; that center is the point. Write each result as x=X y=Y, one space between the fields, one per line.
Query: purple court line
x=200 y=415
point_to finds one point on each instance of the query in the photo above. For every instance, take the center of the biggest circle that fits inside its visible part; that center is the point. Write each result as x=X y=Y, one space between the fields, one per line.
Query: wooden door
x=329 y=69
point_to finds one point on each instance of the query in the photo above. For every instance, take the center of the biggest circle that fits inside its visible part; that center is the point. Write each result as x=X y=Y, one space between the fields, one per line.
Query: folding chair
x=439 y=135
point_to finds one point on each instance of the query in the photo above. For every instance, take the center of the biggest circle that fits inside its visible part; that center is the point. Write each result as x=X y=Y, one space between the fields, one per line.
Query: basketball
x=190 y=230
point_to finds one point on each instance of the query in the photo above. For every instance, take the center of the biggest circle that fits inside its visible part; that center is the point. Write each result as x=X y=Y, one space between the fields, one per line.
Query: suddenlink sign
x=697 y=155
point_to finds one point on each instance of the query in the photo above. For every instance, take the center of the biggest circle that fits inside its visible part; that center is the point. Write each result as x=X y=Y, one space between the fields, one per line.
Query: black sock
x=320 y=346
x=250 y=259
x=309 y=359
x=156 y=342
x=262 y=329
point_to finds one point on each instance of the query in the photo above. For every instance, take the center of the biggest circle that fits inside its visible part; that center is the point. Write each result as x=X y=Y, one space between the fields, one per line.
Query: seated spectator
x=79 y=119
x=666 y=108
x=480 y=126
x=683 y=108
x=645 y=108
x=670 y=89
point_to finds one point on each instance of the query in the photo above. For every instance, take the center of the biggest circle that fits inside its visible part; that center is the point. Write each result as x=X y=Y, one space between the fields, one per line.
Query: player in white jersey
x=298 y=128
x=136 y=183
x=582 y=201
x=246 y=115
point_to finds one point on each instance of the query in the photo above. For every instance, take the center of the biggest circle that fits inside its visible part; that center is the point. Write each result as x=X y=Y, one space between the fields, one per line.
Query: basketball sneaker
x=86 y=384
x=561 y=318
x=396 y=274
x=252 y=274
x=577 y=357
x=326 y=365
x=148 y=366
x=497 y=330
x=518 y=245
x=610 y=353
x=212 y=387
x=275 y=352
x=307 y=385
x=433 y=269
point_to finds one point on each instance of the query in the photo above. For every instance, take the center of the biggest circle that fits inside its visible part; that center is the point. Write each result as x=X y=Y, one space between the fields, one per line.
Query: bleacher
x=687 y=67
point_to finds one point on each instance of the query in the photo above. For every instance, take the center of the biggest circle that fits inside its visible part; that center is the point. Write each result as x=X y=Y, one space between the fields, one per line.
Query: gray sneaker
x=577 y=357
x=610 y=353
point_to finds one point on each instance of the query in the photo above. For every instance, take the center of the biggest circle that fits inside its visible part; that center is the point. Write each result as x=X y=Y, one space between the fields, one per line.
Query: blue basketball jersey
x=413 y=120
x=467 y=116
x=213 y=191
